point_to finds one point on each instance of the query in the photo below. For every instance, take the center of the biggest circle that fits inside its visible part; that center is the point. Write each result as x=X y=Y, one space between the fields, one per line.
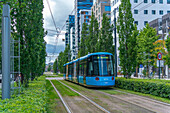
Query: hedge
x=32 y=100
x=153 y=87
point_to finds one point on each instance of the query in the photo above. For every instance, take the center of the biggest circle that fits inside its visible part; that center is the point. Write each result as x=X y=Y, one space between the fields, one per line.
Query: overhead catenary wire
x=52 y=15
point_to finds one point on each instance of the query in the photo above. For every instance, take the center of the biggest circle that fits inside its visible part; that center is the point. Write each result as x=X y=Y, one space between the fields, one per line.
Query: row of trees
x=27 y=24
x=137 y=47
x=93 y=40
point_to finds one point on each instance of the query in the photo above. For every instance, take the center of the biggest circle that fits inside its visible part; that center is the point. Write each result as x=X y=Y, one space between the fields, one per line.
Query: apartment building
x=80 y=5
x=143 y=12
x=99 y=8
x=85 y=17
x=70 y=22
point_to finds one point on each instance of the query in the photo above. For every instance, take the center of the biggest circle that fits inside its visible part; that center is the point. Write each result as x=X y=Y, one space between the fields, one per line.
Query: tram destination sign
x=159 y=56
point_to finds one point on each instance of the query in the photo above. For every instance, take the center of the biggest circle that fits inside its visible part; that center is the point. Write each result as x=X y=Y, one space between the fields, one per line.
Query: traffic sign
x=159 y=56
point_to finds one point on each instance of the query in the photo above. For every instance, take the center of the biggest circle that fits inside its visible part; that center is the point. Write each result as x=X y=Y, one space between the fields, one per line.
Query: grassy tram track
x=111 y=104
x=54 y=104
x=74 y=101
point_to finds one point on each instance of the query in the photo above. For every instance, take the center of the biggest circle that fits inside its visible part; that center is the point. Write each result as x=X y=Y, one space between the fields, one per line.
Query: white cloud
x=60 y=10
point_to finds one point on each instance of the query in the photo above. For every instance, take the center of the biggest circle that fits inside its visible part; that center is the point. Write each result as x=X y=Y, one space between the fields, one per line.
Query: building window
x=153 y=1
x=145 y=1
x=145 y=11
x=136 y=22
x=153 y=12
x=168 y=11
x=145 y=22
x=135 y=11
x=168 y=1
x=113 y=3
x=161 y=12
x=135 y=1
x=107 y=8
x=86 y=13
x=161 y=1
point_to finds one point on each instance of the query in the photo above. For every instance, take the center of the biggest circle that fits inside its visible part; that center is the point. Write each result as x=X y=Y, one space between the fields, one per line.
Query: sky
x=60 y=10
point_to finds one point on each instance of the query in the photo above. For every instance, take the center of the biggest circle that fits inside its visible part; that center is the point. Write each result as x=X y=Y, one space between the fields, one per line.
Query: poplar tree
x=27 y=24
x=105 y=43
x=168 y=49
x=55 y=66
x=125 y=29
x=84 y=36
x=145 y=41
x=93 y=35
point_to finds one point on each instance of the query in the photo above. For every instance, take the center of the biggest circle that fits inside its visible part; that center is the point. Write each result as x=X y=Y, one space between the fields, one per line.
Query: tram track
x=61 y=98
x=144 y=102
x=85 y=97
x=112 y=104
x=70 y=108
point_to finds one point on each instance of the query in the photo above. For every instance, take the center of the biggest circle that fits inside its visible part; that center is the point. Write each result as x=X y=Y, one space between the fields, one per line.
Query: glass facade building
x=70 y=22
x=80 y=5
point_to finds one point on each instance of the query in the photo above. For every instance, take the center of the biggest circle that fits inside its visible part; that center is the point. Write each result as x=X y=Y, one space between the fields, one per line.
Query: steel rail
x=65 y=105
x=144 y=98
x=124 y=100
x=98 y=106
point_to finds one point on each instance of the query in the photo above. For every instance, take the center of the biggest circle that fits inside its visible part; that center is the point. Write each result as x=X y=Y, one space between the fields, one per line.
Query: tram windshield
x=102 y=66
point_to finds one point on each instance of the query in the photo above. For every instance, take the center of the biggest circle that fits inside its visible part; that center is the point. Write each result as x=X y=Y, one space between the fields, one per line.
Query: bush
x=154 y=87
x=32 y=100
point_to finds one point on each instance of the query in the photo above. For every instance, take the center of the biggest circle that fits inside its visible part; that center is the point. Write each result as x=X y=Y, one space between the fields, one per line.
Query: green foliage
x=154 y=87
x=127 y=38
x=63 y=58
x=93 y=35
x=105 y=43
x=49 y=68
x=64 y=91
x=145 y=41
x=33 y=99
x=84 y=37
x=55 y=66
x=27 y=23
x=168 y=49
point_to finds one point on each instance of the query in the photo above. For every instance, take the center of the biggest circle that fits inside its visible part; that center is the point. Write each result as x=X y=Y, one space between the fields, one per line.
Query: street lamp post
x=115 y=42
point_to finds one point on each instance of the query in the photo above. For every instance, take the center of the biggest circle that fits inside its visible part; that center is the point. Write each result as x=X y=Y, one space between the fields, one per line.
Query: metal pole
x=159 y=70
x=6 y=52
x=115 y=42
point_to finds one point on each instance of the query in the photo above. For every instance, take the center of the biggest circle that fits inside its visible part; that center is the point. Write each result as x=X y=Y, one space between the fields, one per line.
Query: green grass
x=64 y=91
x=112 y=92
x=59 y=75
x=52 y=98
x=32 y=99
x=166 y=100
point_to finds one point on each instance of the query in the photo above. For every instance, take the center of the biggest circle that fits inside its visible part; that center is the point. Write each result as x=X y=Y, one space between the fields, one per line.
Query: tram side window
x=70 y=69
x=96 y=68
x=77 y=68
x=90 y=70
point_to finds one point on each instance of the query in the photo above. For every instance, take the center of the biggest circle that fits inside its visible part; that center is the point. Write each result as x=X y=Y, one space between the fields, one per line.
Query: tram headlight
x=97 y=78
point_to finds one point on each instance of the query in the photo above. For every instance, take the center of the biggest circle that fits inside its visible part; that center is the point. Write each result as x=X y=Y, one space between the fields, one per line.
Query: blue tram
x=92 y=70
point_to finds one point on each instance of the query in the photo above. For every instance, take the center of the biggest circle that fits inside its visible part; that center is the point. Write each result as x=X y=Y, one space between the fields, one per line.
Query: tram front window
x=102 y=66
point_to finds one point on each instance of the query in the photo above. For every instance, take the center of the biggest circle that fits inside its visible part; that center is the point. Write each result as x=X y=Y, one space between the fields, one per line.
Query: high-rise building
x=80 y=5
x=99 y=8
x=72 y=43
x=143 y=12
x=85 y=17
x=70 y=22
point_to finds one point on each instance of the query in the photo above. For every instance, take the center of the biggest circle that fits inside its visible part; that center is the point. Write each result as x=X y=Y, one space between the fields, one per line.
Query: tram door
x=66 y=71
x=74 y=74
